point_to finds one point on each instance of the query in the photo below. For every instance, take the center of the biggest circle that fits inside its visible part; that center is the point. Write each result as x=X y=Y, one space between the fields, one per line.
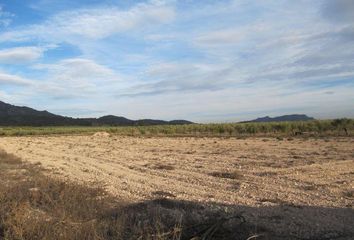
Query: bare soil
x=294 y=187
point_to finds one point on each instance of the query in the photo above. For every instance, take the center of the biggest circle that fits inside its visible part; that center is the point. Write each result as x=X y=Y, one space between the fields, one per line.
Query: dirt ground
x=299 y=187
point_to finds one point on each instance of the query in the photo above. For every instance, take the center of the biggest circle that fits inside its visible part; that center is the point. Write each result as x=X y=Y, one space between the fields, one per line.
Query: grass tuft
x=230 y=175
x=164 y=167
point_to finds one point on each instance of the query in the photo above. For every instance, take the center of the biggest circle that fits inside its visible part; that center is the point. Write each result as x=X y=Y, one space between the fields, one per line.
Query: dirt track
x=254 y=172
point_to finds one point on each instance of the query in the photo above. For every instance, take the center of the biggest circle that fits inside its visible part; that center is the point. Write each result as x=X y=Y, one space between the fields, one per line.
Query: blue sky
x=205 y=61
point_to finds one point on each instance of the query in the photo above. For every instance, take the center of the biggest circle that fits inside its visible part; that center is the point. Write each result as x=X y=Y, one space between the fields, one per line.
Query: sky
x=204 y=61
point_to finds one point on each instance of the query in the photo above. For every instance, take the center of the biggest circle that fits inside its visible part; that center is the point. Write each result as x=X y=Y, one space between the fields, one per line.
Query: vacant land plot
x=295 y=187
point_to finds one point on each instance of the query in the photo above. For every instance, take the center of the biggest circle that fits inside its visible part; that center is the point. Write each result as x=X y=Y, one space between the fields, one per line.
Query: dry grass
x=349 y=194
x=9 y=158
x=34 y=206
x=164 y=167
x=230 y=175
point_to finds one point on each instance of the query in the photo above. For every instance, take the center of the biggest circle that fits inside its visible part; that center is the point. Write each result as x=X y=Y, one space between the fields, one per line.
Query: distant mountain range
x=11 y=115
x=284 y=118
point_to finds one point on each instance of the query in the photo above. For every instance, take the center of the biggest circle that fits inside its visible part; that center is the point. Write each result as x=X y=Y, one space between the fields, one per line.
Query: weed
x=348 y=193
x=229 y=175
x=163 y=167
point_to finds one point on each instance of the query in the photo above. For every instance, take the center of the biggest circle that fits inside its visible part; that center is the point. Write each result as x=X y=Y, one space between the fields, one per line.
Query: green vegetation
x=337 y=127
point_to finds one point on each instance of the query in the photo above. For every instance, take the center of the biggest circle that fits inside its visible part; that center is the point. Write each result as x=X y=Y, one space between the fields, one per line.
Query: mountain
x=115 y=121
x=284 y=118
x=11 y=115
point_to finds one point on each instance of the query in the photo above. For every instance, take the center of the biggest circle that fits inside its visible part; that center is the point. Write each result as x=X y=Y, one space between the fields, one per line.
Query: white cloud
x=67 y=79
x=9 y=79
x=77 y=69
x=76 y=77
x=94 y=23
x=165 y=77
x=100 y=23
x=5 y=17
x=230 y=36
x=339 y=10
x=3 y=95
x=242 y=103
x=20 y=55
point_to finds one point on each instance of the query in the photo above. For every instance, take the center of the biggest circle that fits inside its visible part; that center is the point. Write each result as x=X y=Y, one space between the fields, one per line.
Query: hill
x=284 y=118
x=11 y=115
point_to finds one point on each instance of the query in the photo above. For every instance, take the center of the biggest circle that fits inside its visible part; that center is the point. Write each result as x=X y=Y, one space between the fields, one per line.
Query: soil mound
x=101 y=134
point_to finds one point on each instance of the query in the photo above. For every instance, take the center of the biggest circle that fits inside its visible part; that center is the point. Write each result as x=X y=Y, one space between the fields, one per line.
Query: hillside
x=11 y=115
x=284 y=118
